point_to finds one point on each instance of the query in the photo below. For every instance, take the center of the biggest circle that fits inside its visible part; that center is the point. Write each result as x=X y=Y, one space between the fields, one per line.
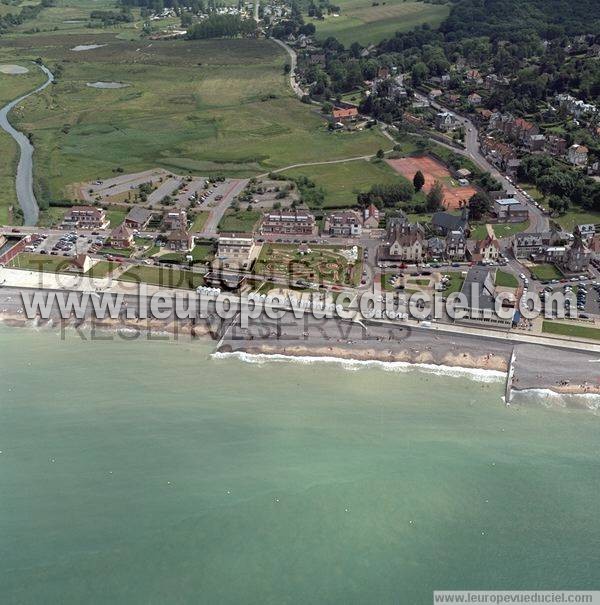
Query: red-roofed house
x=344 y=115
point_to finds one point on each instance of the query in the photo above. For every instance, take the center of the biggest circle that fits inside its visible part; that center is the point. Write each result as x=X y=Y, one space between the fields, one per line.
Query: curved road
x=24 y=179
x=538 y=221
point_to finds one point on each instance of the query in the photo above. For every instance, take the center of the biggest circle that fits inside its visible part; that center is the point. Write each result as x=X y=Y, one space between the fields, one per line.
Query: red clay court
x=434 y=171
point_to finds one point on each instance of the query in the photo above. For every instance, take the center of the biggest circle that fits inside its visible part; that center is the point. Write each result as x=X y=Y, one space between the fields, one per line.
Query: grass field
x=41 y=262
x=577 y=216
x=240 y=221
x=545 y=272
x=163 y=277
x=342 y=182
x=506 y=280
x=479 y=231
x=199 y=221
x=573 y=330
x=216 y=106
x=361 y=21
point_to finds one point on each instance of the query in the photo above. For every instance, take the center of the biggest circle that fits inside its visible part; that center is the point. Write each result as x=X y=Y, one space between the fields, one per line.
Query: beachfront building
x=479 y=294
x=288 y=222
x=85 y=217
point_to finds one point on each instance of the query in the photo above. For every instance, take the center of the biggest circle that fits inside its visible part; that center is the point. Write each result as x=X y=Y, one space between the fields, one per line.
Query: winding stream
x=24 y=179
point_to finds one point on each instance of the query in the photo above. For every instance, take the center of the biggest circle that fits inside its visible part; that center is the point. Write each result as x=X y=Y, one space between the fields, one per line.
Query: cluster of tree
x=27 y=13
x=387 y=196
x=323 y=7
x=221 y=26
x=109 y=18
x=560 y=184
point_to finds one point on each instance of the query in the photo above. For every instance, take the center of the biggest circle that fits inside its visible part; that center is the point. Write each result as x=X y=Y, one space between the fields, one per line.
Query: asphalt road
x=24 y=178
x=537 y=220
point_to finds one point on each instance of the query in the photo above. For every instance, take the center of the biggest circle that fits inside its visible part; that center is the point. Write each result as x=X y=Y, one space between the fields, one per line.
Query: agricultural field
x=320 y=264
x=370 y=22
x=342 y=182
x=203 y=107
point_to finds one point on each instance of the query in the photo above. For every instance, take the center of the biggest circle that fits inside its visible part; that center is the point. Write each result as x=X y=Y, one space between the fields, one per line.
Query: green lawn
x=545 y=272
x=456 y=283
x=240 y=221
x=506 y=280
x=577 y=216
x=200 y=253
x=163 y=276
x=41 y=262
x=363 y=21
x=501 y=230
x=206 y=106
x=116 y=216
x=102 y=269
x=573 y=330
x=116 y=251
x=342 y=182
x=199 y=221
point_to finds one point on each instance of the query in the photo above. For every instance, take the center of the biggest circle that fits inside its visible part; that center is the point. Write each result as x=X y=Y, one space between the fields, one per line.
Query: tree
x=380 y=154
x=558 y=204
x=418 y=180
x=479 y=204
x=435 y=197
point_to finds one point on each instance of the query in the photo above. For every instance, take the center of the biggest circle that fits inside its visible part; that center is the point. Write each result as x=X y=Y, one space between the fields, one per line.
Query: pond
x=13 y=70
x=107 y=85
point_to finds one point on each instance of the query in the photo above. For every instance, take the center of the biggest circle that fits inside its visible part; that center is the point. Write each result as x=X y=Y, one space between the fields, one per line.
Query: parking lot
x=587 y=292
x=67 y=244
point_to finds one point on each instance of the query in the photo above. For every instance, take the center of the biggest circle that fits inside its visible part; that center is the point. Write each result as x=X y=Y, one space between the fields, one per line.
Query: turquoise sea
x=149 y=472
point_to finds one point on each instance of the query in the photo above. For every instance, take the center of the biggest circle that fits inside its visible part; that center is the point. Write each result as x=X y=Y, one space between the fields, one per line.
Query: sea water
x=153 y=472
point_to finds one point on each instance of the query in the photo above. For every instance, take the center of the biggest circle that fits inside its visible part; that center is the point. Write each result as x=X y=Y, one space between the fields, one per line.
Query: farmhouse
x=288 y=222
x=344 y=115
x=85 y=217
